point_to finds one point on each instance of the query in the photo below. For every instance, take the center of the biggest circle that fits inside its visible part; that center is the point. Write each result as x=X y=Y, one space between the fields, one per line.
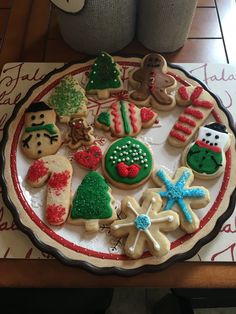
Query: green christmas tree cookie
x=104 y=77
x=92 y=204
x=68 y=99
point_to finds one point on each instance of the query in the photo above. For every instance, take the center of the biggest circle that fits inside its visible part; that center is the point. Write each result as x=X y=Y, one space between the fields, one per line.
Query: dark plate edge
x=86 y=265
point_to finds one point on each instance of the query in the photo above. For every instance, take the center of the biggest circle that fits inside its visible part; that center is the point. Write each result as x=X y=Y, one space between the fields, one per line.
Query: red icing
x=205 y=145
x=195 y=113
x=55 y=213
x=133 y=119
x=116 y=118
x=203 y=103
x=187 y=121
x=183 y=93
x=146 y=114
x=182 y=128
x=37 y=170
x=196 y=93
x=177 y=135
x=89 y=159
x=59 y=181
x=128 y=171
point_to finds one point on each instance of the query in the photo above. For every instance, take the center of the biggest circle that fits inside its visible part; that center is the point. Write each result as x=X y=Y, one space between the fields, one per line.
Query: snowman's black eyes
x=42 y=115
x=208 y=134
x=216 y=137
x=216 y=144
x=33 y=117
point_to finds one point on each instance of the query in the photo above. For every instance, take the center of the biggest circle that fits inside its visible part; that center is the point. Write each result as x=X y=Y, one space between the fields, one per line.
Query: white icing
x=222 y=141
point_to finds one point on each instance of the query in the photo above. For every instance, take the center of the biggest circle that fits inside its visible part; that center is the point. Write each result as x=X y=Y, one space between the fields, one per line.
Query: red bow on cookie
x=89 y=159
x=128 y=171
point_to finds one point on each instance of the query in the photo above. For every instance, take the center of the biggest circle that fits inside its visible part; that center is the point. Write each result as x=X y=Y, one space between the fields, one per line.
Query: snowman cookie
x=40 y=137
x=152 y=84
x=206 y=156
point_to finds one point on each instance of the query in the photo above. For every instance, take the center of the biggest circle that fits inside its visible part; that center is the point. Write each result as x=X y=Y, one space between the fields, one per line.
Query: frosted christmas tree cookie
x=93 y=204
x=68 y=99
x=104 y=77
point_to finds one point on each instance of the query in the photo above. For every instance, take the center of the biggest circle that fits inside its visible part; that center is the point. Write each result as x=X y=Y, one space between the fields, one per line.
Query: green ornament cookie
x=127 y=163
x=68 y=99
x=92 y=204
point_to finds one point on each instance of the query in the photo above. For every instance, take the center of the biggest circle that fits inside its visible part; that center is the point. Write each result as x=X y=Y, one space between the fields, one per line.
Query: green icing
x=124 y=117
x=68 y=97
x=50 y=128
x=104 y=118
x=204 y=160
x=104 y=74
x=124 y=149
x=92 y=198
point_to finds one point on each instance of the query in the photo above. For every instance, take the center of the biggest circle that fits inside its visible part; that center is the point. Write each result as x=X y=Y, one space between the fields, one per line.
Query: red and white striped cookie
x=125 y=119
x=199 y=104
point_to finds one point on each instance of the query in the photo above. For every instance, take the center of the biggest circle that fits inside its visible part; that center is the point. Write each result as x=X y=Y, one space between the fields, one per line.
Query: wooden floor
x=29 y=32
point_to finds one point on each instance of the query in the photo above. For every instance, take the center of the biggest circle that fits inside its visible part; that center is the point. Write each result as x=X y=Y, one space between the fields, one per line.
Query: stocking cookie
x=104 y=77
x=93 y=204
x=145 y=225
x=206 y=156
x=40 y=137
x=89 y=159
x=57 y=171
x=127 y=163
x=79 y=133
x=68 y=99
x=200 y=104
x=125 y=119
x=152 y=84
x=177 y=195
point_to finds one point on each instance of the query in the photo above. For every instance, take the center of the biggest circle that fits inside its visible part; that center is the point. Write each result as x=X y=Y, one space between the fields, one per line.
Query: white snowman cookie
x=206 y=156
x=41 y=137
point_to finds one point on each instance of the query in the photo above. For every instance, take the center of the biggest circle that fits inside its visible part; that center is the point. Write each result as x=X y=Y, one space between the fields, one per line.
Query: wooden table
x=29 y=32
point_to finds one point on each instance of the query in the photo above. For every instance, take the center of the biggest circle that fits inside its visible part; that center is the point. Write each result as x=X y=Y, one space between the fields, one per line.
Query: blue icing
x=176 y=193
x=142 y=222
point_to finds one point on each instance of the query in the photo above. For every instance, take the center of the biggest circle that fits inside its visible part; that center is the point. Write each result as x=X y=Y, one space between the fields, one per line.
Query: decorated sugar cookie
x=104 y=77
x=41 y=136
x=93 y=204
x=68 y=99
x=125 y=119
x=145 y=225
x=152 y=84
x=56 y=171
x=90 y=158
x=206 y=156
x=127 y=163
x=200 y=104
x=79 y=133
x=177 y=195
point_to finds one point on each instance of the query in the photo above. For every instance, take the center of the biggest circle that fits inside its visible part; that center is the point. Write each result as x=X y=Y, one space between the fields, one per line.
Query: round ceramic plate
x=101 y=252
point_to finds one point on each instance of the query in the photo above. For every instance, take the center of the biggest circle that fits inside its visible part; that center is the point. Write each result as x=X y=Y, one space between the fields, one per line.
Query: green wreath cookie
x=127 y=163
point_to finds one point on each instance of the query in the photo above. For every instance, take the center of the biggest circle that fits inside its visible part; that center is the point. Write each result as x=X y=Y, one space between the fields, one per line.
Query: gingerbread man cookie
x=152 y=84
x=125 y=119
x=179 y=196
x=41 y=136
x=79 y=133
x=93 y=204
x=68 y=99
x=144 y=226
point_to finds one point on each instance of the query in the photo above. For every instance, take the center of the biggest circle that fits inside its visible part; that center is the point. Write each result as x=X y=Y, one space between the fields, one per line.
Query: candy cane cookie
x=199 y=106
x=57 y=171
